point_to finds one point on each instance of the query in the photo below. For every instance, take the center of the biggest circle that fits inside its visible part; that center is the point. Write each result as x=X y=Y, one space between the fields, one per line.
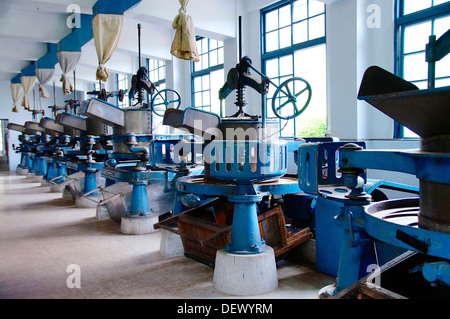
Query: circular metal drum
x=247 y=161
x=137 y=121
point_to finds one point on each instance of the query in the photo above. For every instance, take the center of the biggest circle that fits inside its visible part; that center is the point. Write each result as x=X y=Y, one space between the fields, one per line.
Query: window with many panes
x=122 y=84
x=157 y=75
x=208 y=75
x=294 y=45
x=416 y=21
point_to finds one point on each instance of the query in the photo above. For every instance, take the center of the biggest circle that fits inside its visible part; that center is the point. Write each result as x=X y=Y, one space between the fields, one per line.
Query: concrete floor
x=41 y=235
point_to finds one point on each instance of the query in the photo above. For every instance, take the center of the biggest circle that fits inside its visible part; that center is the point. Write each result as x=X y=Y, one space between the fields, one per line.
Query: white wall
x=353 y=45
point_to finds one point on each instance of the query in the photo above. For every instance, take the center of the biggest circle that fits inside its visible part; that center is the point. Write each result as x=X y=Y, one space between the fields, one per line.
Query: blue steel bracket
x=424 y=165
x=318 y=168
x=132 y=176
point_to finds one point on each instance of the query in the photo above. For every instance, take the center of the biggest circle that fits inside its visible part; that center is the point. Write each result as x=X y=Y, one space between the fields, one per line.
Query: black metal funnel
x=425 y=112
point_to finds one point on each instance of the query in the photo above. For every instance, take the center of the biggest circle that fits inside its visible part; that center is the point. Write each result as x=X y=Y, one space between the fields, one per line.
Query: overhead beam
x=26 y=25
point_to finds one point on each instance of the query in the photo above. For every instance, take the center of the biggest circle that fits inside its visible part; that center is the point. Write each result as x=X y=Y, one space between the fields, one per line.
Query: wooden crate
x=207 y=228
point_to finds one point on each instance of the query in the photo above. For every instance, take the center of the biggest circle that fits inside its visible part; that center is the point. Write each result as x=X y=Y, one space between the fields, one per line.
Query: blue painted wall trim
x=49 y=60
x=79 y=36
x=16 y=79
x=29 y=70
x=113 y=6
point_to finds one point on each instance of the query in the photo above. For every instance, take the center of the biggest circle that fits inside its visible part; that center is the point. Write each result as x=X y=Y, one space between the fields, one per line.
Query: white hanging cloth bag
x=184 y=45
x=16 y=92
x=107 y=29
x=68 y=60
x=27 y=82
x=44 y=76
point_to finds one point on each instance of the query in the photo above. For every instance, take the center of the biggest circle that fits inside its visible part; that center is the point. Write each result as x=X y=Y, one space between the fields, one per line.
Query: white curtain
x=67 y=60
x=28 y=82
x=16 y=92
x=107 y=29
x=44 y=75
x=184 y=45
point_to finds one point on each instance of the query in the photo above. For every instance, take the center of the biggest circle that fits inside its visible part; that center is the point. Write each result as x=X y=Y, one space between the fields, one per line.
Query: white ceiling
x=26 y=26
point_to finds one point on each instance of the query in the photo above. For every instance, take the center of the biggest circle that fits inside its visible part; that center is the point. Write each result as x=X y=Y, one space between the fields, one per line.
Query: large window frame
x=435 y=11
x=203 y=90
x=286 y=51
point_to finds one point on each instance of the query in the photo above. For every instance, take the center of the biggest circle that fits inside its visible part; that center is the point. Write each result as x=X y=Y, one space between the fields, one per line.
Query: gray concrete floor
x=41 y=235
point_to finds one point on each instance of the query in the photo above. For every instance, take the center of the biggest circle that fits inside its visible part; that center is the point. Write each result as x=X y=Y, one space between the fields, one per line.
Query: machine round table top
x=396 y=222
x=198 y=184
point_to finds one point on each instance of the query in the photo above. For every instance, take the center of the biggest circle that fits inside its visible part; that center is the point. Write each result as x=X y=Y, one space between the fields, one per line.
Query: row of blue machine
x=352 y=221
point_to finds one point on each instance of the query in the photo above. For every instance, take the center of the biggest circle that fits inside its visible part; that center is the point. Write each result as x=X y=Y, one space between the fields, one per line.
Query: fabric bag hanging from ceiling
x=184 y=45
x=27 y=83
x=44 y=75
x=68 y=60
x=107 y=29
x=16 y=92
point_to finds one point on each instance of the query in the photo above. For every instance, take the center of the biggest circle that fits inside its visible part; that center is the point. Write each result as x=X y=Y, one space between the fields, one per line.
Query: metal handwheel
x=290 y=92
x=165 y=101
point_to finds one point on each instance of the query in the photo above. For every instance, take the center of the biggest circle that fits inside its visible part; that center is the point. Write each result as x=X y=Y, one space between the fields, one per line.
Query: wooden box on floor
x=207 y=228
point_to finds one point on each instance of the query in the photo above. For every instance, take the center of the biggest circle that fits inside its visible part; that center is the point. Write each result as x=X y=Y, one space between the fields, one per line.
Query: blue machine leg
x=90 y=182
x=39 y=166
x=349 y=263
x=140 y=206
x=61 y=170
x=245 y=234
x=28 y=161
x=51 y=171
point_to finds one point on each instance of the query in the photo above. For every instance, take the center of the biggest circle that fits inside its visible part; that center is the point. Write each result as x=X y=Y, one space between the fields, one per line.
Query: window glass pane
x=443 y=67
x=285 y=16
x=300 y=10
x=300 y=32
x=286 y=68
x=410 y=6
x=206 y=98
x=205 y=82
x=198 y=64
x=272 y=41
x=316 y=7
x=289 y=129
x=217 y=81
x=310 y=64
x=415 y=67
x=197 y=83
x=285 y=37
x=272 y=68
x=272 y=21
x=438 y=2
x=416 y=37
x=212 y=44
x=204 y=45
x=198 y=99
x=443 y=82
x=441 y=26
x=221 y=56
x=407 y=133
x=213 y=58
x=422 y=85
x=205 y=61
x=317 y=27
